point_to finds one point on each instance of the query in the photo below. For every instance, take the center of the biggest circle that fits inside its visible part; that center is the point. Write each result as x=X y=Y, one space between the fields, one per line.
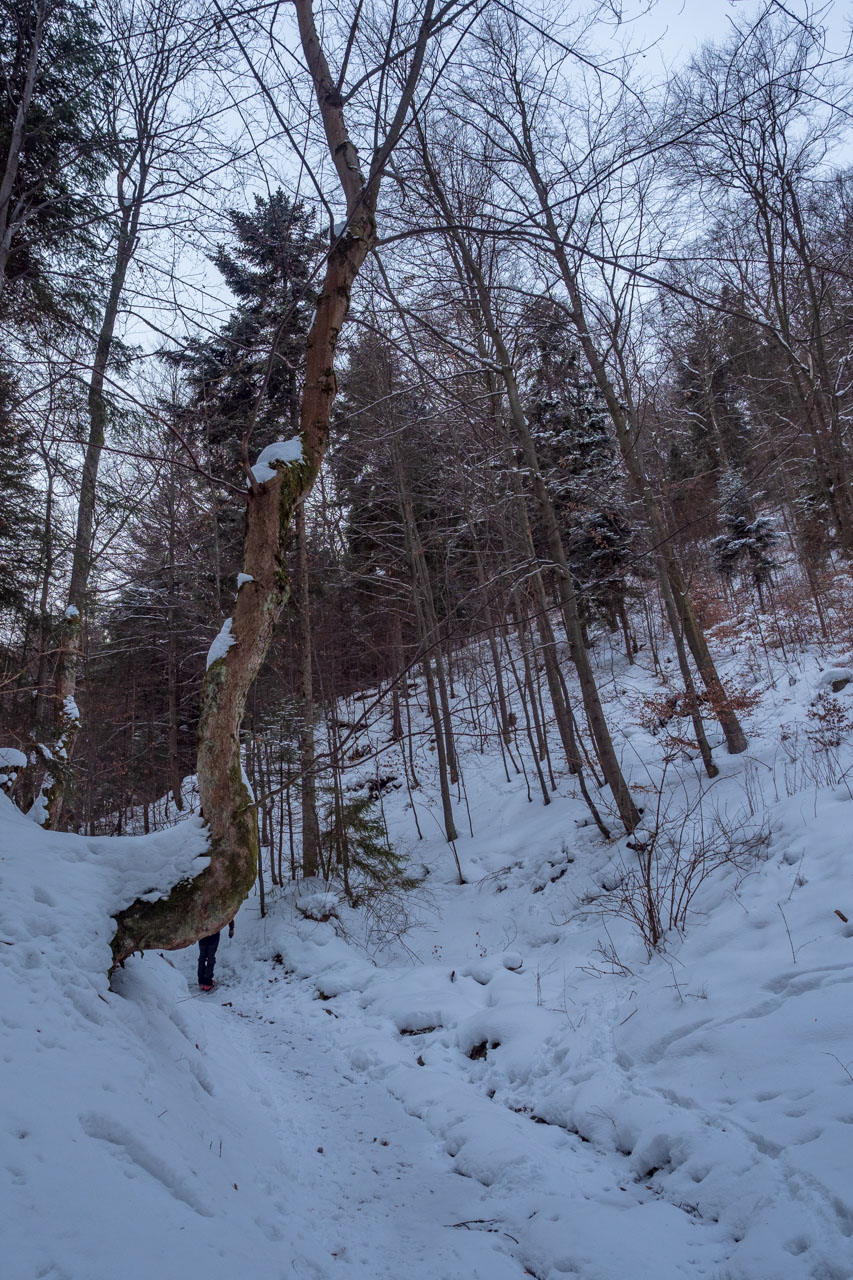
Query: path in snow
x=378 y=1189
x=396 y=1165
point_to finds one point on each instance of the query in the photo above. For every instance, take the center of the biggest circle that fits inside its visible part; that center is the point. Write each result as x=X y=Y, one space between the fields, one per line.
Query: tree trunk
x=67 y=720
x=627 y=810
x=444 y=786
x=665 y=561
x=208 y=902
x=307 y=764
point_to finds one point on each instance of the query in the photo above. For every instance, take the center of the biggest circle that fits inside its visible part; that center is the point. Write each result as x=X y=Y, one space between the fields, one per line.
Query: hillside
x=481 y=1080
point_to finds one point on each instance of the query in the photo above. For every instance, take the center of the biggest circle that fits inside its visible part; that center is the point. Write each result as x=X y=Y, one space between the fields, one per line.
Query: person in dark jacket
x=207 y=958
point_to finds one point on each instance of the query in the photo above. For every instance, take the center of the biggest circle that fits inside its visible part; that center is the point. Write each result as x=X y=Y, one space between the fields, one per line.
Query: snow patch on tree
x=221 y=644
x=287 y=451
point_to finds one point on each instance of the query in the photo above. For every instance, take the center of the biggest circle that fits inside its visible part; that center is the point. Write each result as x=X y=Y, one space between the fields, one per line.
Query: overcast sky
x=678 y=26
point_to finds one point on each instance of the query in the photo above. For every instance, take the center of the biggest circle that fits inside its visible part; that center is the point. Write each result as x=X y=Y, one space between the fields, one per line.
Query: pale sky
x=679 y=26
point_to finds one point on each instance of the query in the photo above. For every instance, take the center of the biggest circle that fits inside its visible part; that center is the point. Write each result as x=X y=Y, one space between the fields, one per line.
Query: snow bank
x=11 y=761
x=131 y=1141
x=498 y=1084
x=149 y=1134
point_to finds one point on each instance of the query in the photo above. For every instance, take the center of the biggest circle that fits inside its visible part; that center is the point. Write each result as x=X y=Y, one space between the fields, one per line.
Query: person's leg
x=214 y=943
x=207 y=959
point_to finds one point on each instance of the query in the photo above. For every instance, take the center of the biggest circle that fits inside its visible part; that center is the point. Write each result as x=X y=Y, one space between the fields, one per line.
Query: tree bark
x=665 y=560
x=627 y=810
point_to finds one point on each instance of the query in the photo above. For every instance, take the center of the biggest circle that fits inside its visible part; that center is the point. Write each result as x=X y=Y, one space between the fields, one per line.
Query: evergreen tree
x=747 y=543
x=710 y=360
x=577 y=455
x=246 y=378
x=19 y=505
x=358 y=850
x=388 y=472
x=52 y=148
x=251 y=368
x=368 y=457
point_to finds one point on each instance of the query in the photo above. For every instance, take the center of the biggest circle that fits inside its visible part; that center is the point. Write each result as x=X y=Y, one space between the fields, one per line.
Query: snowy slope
x=146 y=1133
x=506 y=1086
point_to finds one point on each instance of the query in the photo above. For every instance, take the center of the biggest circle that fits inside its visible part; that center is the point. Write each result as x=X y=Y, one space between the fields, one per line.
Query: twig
x=846 y=1070
x=788 y=931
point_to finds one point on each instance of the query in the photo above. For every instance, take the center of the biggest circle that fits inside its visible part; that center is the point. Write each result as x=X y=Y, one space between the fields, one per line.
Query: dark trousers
x=207 y=959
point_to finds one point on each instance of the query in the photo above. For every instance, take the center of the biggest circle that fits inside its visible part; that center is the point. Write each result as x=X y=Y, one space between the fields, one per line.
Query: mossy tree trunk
x=206 y=903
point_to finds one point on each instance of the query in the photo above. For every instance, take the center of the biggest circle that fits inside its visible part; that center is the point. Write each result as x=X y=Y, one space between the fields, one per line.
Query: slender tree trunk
x=556 y=686
x=172 y=655
x=307 y=762
x=626 y=808
x=610 y=767
x=430 y=631
x=666 y=560
x=67 y=719
x=626 y=632
x=444 y=786
x=488 y=618
x=398 y=674
x=687 y=677
x=525 y=691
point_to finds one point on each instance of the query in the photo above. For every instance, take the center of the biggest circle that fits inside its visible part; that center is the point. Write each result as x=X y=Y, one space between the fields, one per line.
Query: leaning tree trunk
x=206 y=903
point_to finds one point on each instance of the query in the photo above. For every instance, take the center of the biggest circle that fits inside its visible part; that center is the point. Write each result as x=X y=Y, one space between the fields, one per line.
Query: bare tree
x=154 y=128
x=211 y=899
x=471 y=256
x=567 y=206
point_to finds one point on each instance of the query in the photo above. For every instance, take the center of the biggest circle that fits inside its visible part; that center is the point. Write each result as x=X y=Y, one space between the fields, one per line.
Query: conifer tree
x=747 y=543
x=249 y=372
x=577 y=454
x=18 y=505
x=52 y=148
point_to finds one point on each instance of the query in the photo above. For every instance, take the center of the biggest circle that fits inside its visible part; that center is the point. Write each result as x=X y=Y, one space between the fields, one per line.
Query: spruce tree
x=251 y=367
x=53 y=152
x=577 y=455
x=19 y=505
x=747 y=543
x=246 y=378
x=358 y=851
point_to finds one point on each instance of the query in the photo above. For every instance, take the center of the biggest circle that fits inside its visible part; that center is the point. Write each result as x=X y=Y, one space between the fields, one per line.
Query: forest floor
x=487 y=1080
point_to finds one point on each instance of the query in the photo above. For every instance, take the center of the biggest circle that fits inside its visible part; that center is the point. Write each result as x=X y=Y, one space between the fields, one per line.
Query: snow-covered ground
x=487 y=1080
